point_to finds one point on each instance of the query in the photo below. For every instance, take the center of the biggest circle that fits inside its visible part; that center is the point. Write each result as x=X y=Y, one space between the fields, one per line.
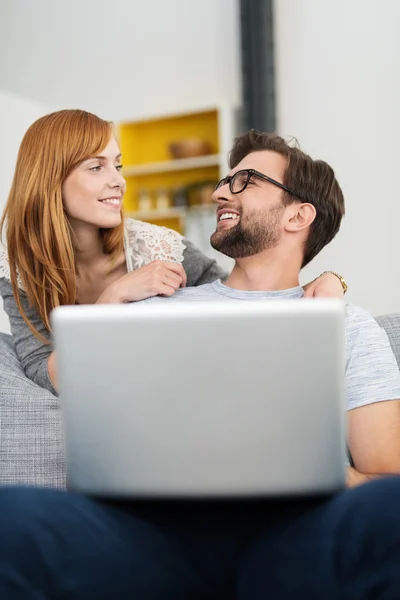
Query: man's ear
x=300 y=216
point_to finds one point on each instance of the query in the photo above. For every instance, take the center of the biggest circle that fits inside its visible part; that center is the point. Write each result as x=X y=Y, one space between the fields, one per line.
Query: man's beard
x=259 y=232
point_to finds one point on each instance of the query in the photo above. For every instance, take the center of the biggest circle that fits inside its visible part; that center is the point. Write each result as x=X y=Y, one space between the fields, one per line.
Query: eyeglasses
x=240 y=180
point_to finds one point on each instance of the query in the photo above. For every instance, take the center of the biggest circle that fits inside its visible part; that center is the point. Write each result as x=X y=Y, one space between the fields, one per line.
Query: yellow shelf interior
x=147 y=143
x=169 y=181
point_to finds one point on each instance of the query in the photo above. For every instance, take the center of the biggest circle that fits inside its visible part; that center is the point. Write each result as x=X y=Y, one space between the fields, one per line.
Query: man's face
x=255 y=216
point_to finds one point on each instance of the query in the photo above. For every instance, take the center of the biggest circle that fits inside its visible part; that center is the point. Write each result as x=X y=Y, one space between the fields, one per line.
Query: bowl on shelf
x=189 y=148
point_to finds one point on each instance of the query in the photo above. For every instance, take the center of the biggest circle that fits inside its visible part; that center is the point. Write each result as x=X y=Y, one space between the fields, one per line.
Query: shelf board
x=158 y=215
x=171 y=213
x=179 y=164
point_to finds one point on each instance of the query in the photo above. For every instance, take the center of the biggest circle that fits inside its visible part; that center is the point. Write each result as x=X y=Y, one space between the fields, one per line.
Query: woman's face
x=92 y=192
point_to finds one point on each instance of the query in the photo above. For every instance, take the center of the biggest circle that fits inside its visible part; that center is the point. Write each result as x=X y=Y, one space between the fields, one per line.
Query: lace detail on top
x=145 y=242
x=5 y=266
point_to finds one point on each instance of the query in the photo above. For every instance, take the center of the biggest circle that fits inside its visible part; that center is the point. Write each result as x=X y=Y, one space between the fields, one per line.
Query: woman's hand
x=155 y=279
x=325 y=286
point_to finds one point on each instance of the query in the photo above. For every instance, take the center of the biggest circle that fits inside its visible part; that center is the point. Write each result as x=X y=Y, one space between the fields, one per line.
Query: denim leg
x=345 y=548
x=61 y=545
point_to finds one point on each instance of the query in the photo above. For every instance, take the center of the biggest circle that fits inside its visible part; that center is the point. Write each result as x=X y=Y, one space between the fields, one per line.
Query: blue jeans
x=60 y=545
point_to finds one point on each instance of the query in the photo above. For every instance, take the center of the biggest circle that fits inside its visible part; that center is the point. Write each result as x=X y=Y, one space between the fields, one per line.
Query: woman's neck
x=94 y=268
x=88 y=245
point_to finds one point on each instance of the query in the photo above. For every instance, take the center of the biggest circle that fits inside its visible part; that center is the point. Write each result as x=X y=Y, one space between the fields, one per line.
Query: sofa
x=31 y=447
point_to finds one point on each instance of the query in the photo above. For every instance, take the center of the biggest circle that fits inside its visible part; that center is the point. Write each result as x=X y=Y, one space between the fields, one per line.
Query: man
x=276 y=210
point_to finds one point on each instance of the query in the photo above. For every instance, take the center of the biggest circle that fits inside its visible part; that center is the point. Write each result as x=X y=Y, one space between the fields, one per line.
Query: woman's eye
x=95 y=169
x=119 y=167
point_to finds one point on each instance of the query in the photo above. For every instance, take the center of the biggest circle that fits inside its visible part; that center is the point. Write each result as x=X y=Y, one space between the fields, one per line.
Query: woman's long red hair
x=38 y=234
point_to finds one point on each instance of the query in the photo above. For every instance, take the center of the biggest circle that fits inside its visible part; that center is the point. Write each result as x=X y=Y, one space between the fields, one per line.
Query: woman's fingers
x=177 y=270
x=166 y=290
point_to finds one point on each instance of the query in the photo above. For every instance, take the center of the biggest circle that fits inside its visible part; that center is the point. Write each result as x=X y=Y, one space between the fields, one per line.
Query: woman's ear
x=300 y=216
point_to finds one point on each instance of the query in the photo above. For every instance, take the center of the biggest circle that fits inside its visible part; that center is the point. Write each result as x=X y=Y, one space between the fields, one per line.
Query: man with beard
x=275 y=211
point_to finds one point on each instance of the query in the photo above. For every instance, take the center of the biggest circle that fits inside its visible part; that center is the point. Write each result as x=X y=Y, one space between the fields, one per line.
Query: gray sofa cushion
x=31 y=450
x=391 y=323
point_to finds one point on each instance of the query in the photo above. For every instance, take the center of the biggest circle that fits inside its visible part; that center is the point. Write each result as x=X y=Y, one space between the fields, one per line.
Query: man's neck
x=261 y=273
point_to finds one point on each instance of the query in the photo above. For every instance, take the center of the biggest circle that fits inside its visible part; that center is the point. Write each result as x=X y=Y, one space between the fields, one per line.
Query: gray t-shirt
x=372 y=374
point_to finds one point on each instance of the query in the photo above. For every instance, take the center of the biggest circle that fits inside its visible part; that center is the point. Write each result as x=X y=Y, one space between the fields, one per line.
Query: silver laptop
x=231 y=399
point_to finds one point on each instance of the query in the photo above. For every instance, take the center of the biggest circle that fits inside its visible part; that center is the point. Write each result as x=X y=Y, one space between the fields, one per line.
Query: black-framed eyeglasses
x=239 y=181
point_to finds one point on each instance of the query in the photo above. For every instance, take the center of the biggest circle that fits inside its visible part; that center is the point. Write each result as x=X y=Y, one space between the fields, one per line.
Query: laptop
x=203 y=399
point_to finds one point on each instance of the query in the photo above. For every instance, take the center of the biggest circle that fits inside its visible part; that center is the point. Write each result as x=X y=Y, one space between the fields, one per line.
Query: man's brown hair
x=310 y=181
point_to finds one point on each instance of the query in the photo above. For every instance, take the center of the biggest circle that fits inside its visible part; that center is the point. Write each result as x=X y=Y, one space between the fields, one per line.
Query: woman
x=67 y=240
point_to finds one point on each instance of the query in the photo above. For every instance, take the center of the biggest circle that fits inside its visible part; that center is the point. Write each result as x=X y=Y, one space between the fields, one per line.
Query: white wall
x=16 y=114
x=121 y=60
x=338 y=92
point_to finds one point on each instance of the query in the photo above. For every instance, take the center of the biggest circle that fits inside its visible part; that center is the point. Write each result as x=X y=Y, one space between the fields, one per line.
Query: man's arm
x=355 y=478
x=373 y=393
x=374 y=437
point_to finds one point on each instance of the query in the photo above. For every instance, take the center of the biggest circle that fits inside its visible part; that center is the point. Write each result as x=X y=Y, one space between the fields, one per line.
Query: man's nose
x=222 y=194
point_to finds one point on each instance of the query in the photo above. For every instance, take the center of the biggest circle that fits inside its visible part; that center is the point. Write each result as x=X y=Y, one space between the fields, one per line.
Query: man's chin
x=217 y=240
x=223 y=243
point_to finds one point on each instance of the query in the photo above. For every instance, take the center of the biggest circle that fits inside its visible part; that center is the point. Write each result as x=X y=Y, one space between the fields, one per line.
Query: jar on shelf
x=205 y=193
x=180 y=196
x=162 y=199
x=144 y=200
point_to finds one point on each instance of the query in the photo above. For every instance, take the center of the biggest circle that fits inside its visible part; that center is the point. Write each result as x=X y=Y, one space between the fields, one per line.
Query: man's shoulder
x=365 y=334
x=195 y=294
x=358 y=319
x=372 y=373
x=200 y=292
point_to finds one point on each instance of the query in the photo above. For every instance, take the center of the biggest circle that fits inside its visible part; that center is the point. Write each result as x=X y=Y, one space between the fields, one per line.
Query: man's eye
x=242 y=181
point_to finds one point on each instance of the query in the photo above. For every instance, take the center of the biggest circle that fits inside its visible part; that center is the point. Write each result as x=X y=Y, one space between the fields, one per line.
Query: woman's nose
x=117 y=180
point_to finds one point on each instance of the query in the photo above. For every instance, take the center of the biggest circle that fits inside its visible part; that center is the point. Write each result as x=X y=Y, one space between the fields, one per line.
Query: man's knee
x=378 y=496
x=366 y=520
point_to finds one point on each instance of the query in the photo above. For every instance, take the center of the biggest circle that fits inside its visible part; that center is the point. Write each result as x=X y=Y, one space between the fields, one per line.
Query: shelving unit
x=175 y=212
x=149 y=166
x=179 y=164
x=160 y=214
